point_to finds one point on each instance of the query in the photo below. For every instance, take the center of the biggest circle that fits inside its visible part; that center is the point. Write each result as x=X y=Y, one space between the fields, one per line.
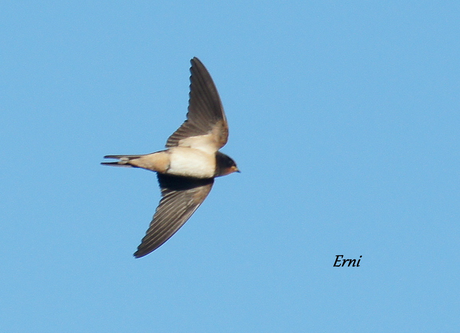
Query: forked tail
x=123 y=160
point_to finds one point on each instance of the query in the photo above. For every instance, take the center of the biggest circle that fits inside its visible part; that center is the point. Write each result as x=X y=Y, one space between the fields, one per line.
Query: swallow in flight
x=187 y=167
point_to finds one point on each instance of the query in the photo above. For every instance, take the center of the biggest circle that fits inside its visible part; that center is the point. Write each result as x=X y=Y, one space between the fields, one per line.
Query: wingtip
x=196 y=61
x=139 y=254
x=143 y=250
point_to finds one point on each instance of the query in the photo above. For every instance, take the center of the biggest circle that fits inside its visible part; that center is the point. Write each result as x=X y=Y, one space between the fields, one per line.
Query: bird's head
x=225 y=165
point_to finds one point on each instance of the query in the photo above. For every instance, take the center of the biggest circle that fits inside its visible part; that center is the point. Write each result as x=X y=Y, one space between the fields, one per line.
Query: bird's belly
x=191 y=162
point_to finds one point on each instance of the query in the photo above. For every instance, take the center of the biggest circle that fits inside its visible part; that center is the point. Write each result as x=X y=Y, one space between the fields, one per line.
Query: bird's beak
x=235 y=169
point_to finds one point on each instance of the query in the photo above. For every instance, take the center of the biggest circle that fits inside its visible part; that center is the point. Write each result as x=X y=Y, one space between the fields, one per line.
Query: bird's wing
x=206 y=127
x=181 y=196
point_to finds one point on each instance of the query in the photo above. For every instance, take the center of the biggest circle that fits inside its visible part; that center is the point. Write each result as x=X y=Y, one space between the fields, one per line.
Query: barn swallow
x=187 y=167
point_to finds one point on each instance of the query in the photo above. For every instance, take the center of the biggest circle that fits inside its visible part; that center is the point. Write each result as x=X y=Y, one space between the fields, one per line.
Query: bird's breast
x=190 y=162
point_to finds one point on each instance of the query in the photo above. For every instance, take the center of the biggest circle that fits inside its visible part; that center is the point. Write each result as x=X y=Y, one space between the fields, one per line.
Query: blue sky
x=344 y=119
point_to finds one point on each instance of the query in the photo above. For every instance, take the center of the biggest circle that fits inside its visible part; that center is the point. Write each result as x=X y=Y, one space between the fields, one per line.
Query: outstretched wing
x=206 y=127
x=181 y=196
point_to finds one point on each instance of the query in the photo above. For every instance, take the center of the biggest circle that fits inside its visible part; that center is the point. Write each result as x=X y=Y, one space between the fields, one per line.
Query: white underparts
x=191 y=162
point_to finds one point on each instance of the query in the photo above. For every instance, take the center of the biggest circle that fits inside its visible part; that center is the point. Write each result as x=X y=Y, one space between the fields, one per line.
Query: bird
x=187 y=167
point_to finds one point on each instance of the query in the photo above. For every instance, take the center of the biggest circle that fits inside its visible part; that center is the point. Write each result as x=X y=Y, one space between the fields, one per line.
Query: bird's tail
x=123 y=160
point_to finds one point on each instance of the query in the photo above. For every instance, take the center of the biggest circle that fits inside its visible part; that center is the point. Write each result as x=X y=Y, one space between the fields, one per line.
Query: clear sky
x=344 y=120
